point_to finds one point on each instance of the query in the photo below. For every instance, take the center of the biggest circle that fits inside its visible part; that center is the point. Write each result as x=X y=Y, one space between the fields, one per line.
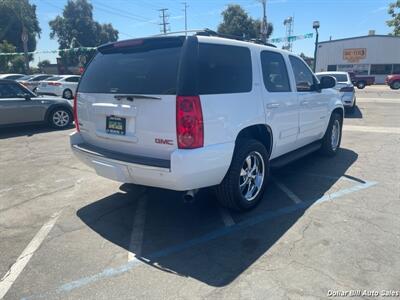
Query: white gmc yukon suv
x=183 y=113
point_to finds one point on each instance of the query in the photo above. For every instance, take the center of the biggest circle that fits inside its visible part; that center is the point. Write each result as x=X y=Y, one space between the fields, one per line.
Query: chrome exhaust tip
x=189 y=196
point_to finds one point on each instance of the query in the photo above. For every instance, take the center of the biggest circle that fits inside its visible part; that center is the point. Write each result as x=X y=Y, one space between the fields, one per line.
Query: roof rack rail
x=181 y=31
x=209 y=32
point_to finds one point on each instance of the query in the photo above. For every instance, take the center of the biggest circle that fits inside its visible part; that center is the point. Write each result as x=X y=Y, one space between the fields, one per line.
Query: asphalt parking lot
x=325 y=225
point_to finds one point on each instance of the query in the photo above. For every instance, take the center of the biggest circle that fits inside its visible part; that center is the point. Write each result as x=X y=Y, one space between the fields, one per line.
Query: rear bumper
x=348 y=99
x=186 y=169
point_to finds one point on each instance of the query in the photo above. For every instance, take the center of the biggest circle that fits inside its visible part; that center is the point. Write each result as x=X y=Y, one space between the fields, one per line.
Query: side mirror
x=327 y=82
x=24 y=95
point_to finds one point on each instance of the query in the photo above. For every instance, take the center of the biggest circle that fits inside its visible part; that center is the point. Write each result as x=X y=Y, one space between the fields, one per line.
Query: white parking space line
x=9 y=278
x=135 y=244
x=375 y=129
x=379 y=100
x=288 y=192
x=226 y=216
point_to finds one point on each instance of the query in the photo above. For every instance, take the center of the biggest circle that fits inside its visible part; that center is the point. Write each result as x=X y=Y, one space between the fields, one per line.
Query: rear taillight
x=54 y=83
x=347 y=89
x=75 y=110
x=189 y=122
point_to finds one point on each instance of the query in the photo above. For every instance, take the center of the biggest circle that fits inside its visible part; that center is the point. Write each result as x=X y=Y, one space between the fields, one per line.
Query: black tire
x=62 y=114
x=68 y=94
x=327 y=147
x=228 y=192
x=360 y=85
x=395 y=85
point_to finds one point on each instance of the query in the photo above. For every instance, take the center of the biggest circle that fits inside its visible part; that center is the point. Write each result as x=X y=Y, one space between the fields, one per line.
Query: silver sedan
x=18 y=105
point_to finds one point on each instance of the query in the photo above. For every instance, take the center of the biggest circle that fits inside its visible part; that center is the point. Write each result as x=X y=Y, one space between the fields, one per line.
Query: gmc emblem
x=164 y=141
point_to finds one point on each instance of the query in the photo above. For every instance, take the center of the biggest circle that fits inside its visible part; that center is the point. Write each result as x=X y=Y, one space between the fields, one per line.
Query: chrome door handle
x=304 y=102
x=273 y=105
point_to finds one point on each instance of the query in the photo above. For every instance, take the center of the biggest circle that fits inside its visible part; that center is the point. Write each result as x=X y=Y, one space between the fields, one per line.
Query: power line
x=264 y=24
x=125 y=15
x=128 y=13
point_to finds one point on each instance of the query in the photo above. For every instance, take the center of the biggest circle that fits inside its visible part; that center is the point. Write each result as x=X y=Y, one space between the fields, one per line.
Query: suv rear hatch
x=126 y=98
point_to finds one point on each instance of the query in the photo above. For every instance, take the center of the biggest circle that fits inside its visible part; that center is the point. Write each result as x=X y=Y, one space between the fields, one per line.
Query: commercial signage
x=354 y=54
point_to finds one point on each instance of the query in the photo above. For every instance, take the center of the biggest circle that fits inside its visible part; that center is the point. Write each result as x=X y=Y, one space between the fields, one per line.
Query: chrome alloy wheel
x=335 y=137
x=61 y=118
x=252 y=176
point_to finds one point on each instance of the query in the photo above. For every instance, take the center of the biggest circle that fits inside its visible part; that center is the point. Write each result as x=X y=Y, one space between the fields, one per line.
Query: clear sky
x=138 y=18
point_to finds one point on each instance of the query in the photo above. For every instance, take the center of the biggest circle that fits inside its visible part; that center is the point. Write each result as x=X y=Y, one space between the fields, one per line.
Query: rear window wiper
x=131 y=97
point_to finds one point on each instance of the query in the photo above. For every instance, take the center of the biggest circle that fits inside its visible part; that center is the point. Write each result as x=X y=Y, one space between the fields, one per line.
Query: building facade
x=374 y=55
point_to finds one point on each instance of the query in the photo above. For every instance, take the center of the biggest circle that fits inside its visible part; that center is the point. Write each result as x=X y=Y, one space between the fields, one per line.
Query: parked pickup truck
x=361 y=81
x=184 y=113
x=393 y=81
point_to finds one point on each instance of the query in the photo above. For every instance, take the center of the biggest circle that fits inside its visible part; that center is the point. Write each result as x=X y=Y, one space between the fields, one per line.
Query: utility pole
x=315 y=26
x=164 y=20
x=264 y=24
x=289 y=23
x=185 y=6
x=24 y=38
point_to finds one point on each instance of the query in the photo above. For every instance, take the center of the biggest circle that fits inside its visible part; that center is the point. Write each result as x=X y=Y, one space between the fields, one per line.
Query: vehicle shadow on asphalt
x=27 y=130
x=191 y=240
x=356 y=114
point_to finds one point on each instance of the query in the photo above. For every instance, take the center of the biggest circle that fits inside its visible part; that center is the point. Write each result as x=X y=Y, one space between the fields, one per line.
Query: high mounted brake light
x=128 y=43
x=189 y=122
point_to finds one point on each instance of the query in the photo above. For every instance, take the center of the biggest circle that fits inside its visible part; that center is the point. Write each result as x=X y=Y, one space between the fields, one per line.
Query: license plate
x=115 y=125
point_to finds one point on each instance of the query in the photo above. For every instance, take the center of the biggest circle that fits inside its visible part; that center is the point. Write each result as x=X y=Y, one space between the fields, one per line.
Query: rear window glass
x=147 y=72
x=40 y=78
x=339 y=77
x=224 y=69
x=27 y=77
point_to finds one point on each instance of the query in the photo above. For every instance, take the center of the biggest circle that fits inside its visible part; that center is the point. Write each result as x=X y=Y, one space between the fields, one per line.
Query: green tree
x=6 y=60
x=308 y=59
x=14 y=15
x=237 y=22
x=77 y=28
x=43 y=64
x=394 y=12
x=10 y=63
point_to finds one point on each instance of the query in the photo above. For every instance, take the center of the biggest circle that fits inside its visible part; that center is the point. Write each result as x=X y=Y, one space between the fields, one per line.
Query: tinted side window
x=224 y=69
x=274 y=72
x=40 y=78
x=304 y=77
x=72 y=79
x=11 y=91
x=14 y=77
